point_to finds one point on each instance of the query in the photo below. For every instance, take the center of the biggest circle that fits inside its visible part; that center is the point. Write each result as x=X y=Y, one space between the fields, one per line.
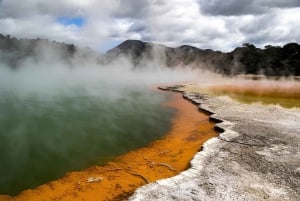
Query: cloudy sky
x=102 y=24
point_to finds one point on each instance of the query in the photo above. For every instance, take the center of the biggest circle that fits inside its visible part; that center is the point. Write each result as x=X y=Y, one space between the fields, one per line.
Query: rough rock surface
x=256 y=156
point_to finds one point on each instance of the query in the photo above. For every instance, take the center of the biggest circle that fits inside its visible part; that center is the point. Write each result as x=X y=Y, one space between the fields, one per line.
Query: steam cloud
x=50 y=74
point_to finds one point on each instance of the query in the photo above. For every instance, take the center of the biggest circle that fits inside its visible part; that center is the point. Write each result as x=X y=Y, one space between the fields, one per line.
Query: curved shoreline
x=255 y=157
x=118 y=179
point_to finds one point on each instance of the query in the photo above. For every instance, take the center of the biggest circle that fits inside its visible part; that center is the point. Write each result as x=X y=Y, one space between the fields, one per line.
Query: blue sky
x=77 y=21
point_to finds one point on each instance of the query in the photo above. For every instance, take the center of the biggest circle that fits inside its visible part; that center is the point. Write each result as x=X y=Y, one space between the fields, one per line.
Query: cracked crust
x=255 y=157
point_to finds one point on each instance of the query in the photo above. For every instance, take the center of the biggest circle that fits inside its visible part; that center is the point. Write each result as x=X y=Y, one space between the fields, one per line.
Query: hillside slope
x=248 y=59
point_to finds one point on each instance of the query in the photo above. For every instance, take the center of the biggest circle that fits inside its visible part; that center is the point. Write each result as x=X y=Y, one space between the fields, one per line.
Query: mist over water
x=56 y=118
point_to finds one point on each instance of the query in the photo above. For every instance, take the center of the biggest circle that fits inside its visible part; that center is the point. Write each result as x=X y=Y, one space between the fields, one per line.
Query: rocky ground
x=255 y=157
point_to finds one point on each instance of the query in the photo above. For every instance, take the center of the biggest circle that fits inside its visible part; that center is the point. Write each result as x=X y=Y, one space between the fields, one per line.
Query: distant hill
x=248 y=59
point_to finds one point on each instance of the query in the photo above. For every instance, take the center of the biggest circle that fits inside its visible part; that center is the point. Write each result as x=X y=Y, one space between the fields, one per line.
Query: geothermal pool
x=44 y=136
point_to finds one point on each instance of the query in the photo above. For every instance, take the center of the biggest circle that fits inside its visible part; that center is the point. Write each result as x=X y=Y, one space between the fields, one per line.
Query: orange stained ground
x=118 y=179
x=252 y=89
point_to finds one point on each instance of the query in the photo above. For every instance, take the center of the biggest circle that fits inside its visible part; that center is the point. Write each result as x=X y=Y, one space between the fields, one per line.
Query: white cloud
x=205 y=24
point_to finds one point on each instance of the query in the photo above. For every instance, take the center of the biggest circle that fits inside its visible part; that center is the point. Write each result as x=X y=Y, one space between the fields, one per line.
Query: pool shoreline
x=255 y=157
x=100 y=182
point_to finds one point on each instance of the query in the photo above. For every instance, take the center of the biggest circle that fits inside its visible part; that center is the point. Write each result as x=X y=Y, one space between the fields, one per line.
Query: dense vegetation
x=272 y=60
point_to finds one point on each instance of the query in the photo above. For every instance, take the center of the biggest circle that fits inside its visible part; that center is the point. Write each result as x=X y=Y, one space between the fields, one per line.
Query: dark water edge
x=44 y=138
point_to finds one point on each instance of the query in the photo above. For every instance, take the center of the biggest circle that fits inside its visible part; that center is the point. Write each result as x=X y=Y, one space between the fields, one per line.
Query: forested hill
x=248 y=59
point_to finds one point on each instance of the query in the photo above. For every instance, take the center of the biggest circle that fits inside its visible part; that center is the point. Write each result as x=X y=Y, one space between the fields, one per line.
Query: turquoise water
x=43 y=137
